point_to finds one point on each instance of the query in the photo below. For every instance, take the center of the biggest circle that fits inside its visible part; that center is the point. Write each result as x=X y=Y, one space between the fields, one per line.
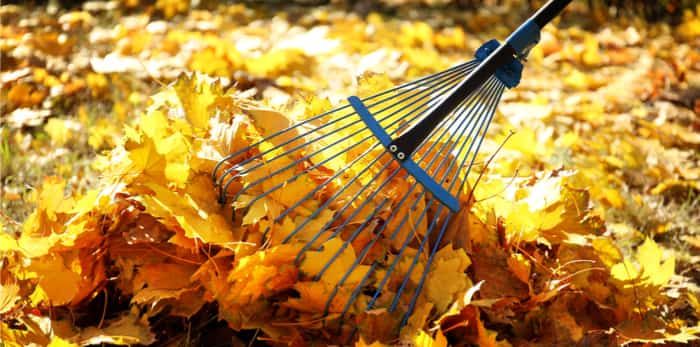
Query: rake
x=417 y=141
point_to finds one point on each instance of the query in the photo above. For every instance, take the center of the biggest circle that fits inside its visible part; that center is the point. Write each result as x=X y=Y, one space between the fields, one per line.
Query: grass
x=24 y=168
x=669 y=220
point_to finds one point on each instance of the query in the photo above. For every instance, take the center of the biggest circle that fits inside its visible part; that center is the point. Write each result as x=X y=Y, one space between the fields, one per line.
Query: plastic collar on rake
x=522 y=40
x=509 y=73
x=408 y=164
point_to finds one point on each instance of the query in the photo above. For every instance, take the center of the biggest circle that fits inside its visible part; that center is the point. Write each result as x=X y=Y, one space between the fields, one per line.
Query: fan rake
x=377 y=170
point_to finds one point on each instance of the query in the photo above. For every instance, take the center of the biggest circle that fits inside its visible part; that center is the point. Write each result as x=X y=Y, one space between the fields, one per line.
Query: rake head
x=331 y=177
x=370 y=178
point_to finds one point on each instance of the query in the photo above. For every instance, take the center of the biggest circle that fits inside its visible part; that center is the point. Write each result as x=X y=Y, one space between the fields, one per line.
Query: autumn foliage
x=536 y=255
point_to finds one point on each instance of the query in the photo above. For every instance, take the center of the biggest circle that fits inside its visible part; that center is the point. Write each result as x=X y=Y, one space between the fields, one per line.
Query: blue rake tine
x=355 y=263
x=357 y=210
x=487 y=122
x=405 y=243
x=374 y=239
x=342 y=189
x=388 y=179
x=317 y=117
x=354 y=235
x=354 y=213
x=424 y=106
x=385 y=279
x=365 y=249
x=441 y=84
x=395 y=233
x=496 y=91
x=458 y=69
x=445 y=223
x=444 y=85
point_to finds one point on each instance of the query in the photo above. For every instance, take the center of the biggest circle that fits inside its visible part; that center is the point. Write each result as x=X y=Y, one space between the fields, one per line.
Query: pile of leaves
x=151 y=235
x=542 y=255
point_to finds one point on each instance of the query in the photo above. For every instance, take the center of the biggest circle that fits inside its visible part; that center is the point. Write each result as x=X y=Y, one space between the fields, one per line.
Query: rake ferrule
x=524 y=38
x=510 y=73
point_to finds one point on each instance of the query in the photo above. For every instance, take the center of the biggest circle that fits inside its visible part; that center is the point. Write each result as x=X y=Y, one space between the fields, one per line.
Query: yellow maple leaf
x=262 y=273
x=52 y=210
x=180 y=209
x=607 y=251
x=7 y=242
x=176 y=150
x=315 y=261
x=447 y=278
x=256 y=211
x=196 y=96
x=58 y=282
x=655 y=271
x=652 y=270
x=417 y=321
x=208 y=62
x=28 y=335
x=34 y=246
x=267 y=122
x=51 y=199
x=143 y=163
x=278 y=62
x=103 y=134
x=313 y=227
x=154 y=124
x=521 y=223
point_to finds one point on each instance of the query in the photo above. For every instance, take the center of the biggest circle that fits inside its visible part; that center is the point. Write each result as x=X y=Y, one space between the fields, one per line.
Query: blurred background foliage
x=670 y=11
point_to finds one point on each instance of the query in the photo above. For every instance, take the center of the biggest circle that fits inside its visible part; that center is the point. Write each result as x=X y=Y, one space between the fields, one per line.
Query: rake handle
x=549 y=11
x=516 y=45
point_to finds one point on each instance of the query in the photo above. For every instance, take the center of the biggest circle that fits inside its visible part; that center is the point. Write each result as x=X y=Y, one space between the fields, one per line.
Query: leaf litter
x=550 y=251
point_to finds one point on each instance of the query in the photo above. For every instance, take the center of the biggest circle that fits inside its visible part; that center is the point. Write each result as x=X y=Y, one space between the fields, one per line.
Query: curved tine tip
x=230 y=156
